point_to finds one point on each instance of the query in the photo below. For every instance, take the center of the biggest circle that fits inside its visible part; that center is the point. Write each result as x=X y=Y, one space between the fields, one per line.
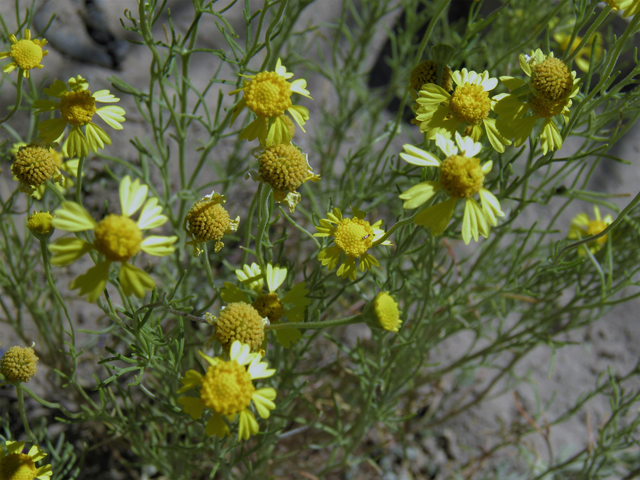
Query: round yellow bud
x=240 y=321
x=18 y=364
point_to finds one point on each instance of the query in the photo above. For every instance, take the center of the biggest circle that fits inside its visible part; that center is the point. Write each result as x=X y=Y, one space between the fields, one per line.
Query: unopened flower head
x=582 y=227
x=33 y=165
x=15 y=465
x=284 y=167
x=427 y=72
x=26 y=53
x=550 y=77
x=39 y=223
x=268 y=96
x=227 y=389
x=18 y=364
x=383 y=313
x=240 y=321
x=117 y=237
x=353 y=237
x=441 y=113
x=77 y=106
x=209 y=221
x=461 y=178
x=270 y=304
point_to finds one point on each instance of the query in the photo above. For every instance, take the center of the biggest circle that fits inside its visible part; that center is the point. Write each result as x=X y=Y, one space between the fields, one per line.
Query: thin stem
x=316 y=325
x=79 y=181
x=18 y=98
x=23 y=414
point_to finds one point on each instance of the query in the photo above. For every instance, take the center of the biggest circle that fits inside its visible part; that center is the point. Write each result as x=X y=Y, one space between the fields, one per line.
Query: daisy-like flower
x=269 y=304
x=78 y=106
x=117 y=237
x=208 y=221
x=628 y=7
x=582 y=226
x=268 y=95
x=15 y=465
x=227 y=390
x=461 y=177
x=441 y=113
x=239 y=321
x=551 y=89
x=26 y=53
x=64 y=165
x=284 y=167
x=351 y=236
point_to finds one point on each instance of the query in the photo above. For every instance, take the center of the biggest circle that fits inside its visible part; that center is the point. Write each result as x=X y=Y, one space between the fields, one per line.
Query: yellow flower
x=268 y=95
x=427 y=72
x=353 y=237
x=117 y=237
x=270 y=305
x=68 y=167
x=26 y=53
x=15 y=465
x=227 y=390
x=383 y=313
x=582 y=226
x=440 y=113
x=549 y=77
x=33 y=165
x=39 y=223
x=461 y=177
x=584 y=55
x=629 y=7
x=284 y=167
x=18 y=364
x=78 y=106
x=208 y=221
x=239 y=321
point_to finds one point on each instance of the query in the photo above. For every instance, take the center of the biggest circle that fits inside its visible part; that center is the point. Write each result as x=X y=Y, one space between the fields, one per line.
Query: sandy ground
x=614 y=341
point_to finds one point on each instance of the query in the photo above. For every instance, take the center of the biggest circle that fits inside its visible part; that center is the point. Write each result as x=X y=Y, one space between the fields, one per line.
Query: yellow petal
x=263 y=401
x=247 y=425
x=151 y=215
x=68 y=250
x=132 y=195
x=192 y=406
x=135 y=281
x=231 y=294
x=436 y=217
x=93 y=282
x=72 y=217
x=275 y=277
x=158 y=246
x=191 y=379
x=419 y=194
x=216 y=426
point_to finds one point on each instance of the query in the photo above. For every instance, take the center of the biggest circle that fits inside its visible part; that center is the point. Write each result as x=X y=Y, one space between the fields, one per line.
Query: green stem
x=18 y=98
x=427 y=35
x=399 y=224
x=79 y=181
x=207 y=267
x=52 y=188
x=52 y=285
x=316 y=325
x=23 y=414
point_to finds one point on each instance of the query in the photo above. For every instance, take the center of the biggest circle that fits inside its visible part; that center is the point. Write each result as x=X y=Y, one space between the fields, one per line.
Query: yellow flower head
x=117 y=237
x=519 y=113
x=550 y=77
x=383 y=313
x=242 y=322
x=33 y=165
x=284 y=167
x=427 y=72
x=77 y=106
x=26 y=53
x=441 y=113
x=270 y=305
x=18 y=365
x=461 y=178
x=68 y=167
x=628 y=7
x=351 y=236
x=582 y=226
x=227 y=390
x=268 y=95
x=39 y=223
x=584 y=55
x=15 y=465
x=208 y=221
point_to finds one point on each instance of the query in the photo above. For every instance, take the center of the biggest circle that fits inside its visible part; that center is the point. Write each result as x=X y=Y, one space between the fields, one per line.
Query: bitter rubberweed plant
x=125 y=369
